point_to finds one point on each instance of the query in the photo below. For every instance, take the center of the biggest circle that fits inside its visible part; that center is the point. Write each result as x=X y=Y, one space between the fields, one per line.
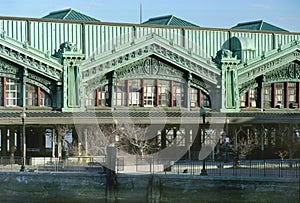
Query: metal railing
x=246 y=168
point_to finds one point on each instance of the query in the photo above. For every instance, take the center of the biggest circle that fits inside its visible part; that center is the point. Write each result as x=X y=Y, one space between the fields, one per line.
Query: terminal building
x=69 y=69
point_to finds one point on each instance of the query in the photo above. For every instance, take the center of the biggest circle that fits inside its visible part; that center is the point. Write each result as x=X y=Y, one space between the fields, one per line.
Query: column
x=59 y=144
x=38 y=96
x=53 y=142
x=4 y=91
x=248 y=99
x=97 y=97
x=273 y=95
x=3 y=141
x=156 y=92
x=286 y=95
x=163 y=138
x=112 y=89
x=25 y=73
x=298 y=93
x=200 y=97
x=142 y=93
x=127 y=92
x=187 y=91
x=171 y=94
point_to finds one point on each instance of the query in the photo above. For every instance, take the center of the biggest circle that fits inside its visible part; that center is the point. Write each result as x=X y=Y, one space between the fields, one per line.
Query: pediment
x=23 y=55
x=142 y=48
x=270 y=62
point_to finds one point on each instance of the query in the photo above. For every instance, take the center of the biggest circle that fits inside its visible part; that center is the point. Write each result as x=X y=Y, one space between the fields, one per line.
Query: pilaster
x=230 y=97
x=72 y=91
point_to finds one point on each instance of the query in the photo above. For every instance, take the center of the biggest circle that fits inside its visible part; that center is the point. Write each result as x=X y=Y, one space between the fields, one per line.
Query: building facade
x=79 y=71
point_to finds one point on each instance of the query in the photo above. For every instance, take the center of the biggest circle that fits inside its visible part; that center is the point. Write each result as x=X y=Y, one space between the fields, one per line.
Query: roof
x=69 y=14
x=169 y=20
x=258 y=25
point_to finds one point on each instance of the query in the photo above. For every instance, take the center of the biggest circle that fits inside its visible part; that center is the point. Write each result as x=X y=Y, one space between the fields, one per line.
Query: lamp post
x=203 y=114
x=23 y=141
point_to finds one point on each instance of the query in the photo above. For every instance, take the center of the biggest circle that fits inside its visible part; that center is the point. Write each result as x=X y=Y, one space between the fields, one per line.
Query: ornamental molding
x=26 y=56
x=7 y=68
x=248 y=86
x=41 y=82
x=145 y=47
x=91 y=85
x=289 y=72
x=149 y=68
x=268 y=62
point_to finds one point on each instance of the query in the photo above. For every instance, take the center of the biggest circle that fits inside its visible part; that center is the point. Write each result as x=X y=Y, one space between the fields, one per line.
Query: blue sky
x=208 y=13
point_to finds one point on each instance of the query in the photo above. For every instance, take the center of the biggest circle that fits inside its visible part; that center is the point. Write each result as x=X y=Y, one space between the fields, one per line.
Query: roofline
x=68 y=14
x=160 y=17
x=171 y=17
x=59 y=11
x=139 y=25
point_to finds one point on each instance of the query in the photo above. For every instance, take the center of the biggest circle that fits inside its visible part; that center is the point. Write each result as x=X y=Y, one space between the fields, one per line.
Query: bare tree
x=135 y=139
x=290 y=140
x=245 y=142
x=97 y=138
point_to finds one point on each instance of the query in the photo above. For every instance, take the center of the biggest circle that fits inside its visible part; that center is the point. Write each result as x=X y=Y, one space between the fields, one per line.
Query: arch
x=151 y=45
x=23 y=55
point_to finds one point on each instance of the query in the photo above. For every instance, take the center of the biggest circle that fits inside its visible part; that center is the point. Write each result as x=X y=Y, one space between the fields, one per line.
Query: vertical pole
x=202 y=113
x=23 y=141
x=53 y=142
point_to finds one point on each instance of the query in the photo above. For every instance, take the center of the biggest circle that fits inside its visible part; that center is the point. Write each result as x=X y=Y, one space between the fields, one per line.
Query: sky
x=205 y=13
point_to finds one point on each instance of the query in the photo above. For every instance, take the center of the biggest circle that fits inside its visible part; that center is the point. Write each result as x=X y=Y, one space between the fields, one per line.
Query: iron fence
x=254 y=168
x=245 y=168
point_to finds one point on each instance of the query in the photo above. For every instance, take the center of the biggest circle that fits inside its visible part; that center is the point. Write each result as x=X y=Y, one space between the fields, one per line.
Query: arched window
x=45 y=99
x=31 y=95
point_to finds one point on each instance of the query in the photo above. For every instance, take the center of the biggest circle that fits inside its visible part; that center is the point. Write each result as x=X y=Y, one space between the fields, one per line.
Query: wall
x=90 y=187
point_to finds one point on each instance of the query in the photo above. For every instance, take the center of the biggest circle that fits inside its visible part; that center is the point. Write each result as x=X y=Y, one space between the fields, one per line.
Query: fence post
x=264 y=167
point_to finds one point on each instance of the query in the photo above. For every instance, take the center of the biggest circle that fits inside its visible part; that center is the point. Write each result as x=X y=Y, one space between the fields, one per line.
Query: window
x=48 y=139
x=149 y=93
x=252 y=97
x=31 y=95
x=292 y=91
x=178 y=94
x=267 y=96
x=103 y=96
x=120 y=93
x=12 y=92
x=90 y=101
x=205 y=100
x=279 y=94
x=45 y=99
x=243 y=100
x=164 y=92
x=134 y=92
x=194 y=97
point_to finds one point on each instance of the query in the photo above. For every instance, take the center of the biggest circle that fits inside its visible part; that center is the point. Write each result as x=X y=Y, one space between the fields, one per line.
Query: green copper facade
x=69 y=60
